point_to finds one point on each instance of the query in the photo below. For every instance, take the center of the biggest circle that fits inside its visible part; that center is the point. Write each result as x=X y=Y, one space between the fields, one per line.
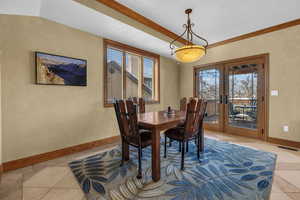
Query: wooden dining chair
x=188 y=131
x=195 y=138
x=142 y=107
x=183 y=104
x=199 y=140
x=183 y=107
x=130 y=132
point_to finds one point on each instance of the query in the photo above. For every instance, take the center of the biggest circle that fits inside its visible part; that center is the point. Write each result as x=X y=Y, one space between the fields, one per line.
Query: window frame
x=133 y=51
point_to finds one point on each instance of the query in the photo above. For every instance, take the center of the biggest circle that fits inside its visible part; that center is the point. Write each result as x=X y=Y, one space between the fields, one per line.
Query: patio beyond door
x=235 y=93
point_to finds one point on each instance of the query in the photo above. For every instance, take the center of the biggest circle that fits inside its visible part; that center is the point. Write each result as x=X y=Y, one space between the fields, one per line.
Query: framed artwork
x=60 y=70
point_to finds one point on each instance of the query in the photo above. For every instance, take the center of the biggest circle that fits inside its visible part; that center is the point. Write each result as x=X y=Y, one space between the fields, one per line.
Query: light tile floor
x=53 y=180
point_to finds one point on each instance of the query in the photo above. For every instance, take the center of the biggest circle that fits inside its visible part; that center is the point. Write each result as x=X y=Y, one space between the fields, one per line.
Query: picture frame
x=52 y=69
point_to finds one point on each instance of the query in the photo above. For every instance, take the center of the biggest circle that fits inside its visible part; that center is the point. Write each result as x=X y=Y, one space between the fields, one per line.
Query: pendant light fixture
x=190 y=52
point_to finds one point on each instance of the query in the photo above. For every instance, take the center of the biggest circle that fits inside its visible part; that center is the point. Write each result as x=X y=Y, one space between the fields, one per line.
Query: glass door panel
x=242 y=96
x=209 y=87
x=243 y=93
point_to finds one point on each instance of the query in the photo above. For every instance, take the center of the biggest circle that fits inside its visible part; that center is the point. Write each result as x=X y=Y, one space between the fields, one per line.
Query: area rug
x=224 y=171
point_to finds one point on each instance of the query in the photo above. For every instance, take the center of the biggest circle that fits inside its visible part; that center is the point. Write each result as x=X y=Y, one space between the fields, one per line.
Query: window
x=148 y=78
x=129 y=72
x=114 y=74
x=133 y=68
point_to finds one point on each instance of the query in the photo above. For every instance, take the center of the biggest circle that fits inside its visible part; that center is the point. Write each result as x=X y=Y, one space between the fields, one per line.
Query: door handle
x=221 y=99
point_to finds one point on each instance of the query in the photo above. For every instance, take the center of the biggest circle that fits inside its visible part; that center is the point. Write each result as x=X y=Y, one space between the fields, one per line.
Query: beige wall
x=40 y=118
x=284 y=49
x=0 y=107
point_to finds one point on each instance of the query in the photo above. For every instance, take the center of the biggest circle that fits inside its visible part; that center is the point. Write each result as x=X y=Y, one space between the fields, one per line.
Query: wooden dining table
x=157 y=122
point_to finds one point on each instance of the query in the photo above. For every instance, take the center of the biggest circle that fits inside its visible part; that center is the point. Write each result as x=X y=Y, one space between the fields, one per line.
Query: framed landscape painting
x=60 y=70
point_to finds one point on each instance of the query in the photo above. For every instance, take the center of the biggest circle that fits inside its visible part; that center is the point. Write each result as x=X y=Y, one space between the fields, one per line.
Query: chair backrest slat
x=198 y=114
x=124 y=118
x=202 y=114
x=134 y=99
x=118 y=116
x=132 y=117
x=189 y=116
x=142 y=108
x=203 y=110
x=183 y=104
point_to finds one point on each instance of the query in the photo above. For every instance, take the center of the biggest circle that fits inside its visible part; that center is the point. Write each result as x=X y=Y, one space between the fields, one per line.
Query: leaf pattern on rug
x=134 y=188
x=94 y=171
x=223 y=172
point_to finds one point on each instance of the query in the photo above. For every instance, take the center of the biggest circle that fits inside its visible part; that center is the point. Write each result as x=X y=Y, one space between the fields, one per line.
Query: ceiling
x=19 y=7
x=84 y=18
x=78 y=16
x=215 y=20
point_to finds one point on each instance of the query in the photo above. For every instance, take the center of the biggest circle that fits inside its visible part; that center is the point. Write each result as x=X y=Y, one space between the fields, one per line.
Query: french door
x=235 y=94
x=209 y=86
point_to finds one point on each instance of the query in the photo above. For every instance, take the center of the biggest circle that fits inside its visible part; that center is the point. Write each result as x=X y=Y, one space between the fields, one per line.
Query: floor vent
x=288 y=148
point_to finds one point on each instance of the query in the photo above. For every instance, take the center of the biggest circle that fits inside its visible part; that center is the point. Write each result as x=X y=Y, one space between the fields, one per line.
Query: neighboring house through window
x=129 y=72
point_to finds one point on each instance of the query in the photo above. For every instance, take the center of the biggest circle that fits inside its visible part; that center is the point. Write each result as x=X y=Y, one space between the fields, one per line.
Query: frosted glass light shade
x=190 y=53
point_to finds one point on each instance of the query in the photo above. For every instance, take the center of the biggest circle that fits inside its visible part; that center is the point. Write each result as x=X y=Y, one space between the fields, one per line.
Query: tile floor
x=52 y=180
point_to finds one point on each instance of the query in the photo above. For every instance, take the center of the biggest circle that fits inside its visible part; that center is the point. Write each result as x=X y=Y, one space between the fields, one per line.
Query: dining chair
x=130 y=132
x=142 y=107
x=187 y=132
x=199 y=139
x=183 y=104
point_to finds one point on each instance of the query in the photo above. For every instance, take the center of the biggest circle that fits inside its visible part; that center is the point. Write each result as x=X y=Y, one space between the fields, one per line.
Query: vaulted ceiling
x=216 y=20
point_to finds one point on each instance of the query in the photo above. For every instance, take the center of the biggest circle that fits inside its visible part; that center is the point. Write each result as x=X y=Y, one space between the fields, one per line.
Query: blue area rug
x=224 y=172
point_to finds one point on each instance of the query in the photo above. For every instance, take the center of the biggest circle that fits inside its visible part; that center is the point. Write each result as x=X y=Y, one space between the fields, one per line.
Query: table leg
x=201 y=138
x=155 y=155
x=125 y=147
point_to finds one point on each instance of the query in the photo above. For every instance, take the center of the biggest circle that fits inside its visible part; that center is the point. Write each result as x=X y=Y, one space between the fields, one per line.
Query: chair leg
x=123 y=158
x=201 y=138
x=198 y=145
x=187 y=146
x=139 y=176
x=170 y=142
x=179 y=146
x=182 y=156
x=165 y=152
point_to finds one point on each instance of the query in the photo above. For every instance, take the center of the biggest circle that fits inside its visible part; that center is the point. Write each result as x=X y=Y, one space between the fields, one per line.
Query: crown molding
x=257 y=33
x=151 y=24
x=140 y=18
